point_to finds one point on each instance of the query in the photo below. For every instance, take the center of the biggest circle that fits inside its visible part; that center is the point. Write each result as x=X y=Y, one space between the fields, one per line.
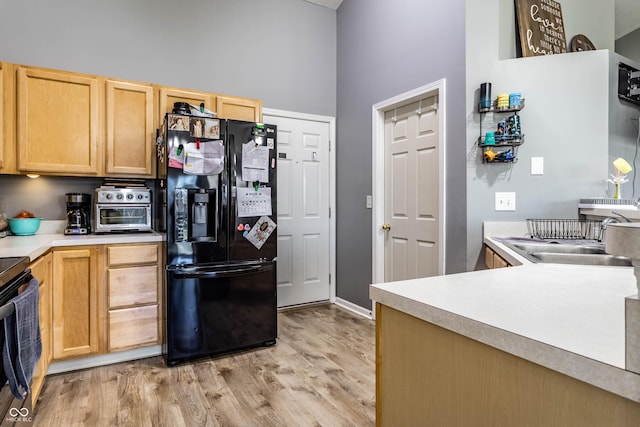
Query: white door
x=303 y=210
x=412 y=186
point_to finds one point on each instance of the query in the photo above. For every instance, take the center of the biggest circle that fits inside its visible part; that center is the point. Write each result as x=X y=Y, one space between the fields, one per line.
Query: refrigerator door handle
x=212 y=273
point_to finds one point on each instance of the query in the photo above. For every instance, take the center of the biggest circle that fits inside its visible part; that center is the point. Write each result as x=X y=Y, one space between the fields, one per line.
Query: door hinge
x=329 y=212
x=329 y=278
x=329 y=145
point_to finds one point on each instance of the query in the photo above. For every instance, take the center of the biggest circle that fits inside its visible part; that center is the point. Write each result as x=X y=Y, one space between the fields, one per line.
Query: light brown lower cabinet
x=493 y=260
x=133 y=296
x=95 y=300
x=76 y=280
x=429 y=376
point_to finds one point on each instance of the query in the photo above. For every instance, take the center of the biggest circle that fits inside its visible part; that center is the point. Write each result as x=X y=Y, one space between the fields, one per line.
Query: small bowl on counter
x=24 y=226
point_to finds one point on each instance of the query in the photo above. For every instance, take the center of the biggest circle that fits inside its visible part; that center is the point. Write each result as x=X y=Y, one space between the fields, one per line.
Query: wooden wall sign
x=540 y=27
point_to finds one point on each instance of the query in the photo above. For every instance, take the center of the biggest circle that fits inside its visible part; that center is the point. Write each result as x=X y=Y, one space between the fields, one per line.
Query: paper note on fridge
x=255 y=162
x=253 y=202
x=261 y=231
x=203 y=158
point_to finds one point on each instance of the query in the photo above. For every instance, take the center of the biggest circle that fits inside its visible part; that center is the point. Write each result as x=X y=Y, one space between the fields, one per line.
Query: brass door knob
x=386 y=227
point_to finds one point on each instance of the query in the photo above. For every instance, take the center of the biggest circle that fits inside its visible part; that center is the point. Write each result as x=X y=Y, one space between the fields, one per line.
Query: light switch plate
x=537 y=166
x=505 y=201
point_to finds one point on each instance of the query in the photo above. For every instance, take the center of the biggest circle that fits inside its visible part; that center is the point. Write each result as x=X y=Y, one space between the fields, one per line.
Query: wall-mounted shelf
x=506 y=145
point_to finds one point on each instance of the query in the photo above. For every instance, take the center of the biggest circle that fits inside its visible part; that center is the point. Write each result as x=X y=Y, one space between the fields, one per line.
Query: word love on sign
x=540 y=27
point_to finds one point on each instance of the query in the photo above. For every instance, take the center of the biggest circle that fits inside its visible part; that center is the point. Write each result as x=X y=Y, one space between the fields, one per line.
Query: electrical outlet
x=505 y=201
x=369 y=202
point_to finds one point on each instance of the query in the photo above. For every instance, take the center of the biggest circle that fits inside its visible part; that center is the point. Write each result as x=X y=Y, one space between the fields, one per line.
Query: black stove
x=11 y=267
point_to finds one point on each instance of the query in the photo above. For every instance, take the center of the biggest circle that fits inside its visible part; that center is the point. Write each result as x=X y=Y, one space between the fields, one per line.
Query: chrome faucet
x=609 y=220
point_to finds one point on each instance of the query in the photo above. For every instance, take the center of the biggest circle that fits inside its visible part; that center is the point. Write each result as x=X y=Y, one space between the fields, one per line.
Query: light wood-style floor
x=320 y=373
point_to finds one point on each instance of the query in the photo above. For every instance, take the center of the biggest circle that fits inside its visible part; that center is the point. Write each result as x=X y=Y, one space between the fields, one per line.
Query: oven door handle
x=216 y=272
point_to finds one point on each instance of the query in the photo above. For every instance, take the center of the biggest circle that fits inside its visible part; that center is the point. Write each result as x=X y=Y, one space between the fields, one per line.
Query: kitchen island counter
x=567 y=318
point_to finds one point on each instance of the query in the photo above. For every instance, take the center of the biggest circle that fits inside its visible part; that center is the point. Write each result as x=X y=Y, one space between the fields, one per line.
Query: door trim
x=331 y=121
x=378 y=110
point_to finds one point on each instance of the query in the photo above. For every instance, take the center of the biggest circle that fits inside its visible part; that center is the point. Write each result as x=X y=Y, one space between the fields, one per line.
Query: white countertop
x=52 y=236
x=568 y=318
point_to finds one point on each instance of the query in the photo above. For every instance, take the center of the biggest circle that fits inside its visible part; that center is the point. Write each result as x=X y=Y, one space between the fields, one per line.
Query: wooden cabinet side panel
x=41 y=270
x=130 y=128
x=428 y=375
x=229 y=107
x=7 y=118
x=57 y=124
x=75 y=315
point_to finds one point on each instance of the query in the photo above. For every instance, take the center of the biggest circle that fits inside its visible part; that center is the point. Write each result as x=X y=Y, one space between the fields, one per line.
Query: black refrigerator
x=218 y=201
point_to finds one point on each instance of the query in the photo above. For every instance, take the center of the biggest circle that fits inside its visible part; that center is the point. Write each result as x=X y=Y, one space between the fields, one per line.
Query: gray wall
x=565 y=119
x=384 y=49
x=629 y=45
x=279 y=51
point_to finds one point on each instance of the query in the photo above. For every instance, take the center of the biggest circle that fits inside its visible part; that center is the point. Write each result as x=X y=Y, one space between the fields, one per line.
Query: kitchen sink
x=583 y=253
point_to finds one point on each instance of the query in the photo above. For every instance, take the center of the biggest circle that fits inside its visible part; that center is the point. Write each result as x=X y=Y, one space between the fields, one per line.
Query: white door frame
x=331 y=121
x=378 y=111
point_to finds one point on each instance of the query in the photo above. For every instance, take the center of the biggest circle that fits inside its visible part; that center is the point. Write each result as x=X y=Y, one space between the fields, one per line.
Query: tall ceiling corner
x=331 y=4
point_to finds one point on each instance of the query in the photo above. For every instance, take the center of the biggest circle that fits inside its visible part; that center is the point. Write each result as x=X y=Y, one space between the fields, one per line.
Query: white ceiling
x=627 y=14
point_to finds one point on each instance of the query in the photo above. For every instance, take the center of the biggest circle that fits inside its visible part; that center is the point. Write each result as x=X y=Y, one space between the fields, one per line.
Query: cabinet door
x=41 y=270
x=168 y=96
x=229 y=107
x=57 y=122
x=130 y=129
x=75 y=303
x=488 y=257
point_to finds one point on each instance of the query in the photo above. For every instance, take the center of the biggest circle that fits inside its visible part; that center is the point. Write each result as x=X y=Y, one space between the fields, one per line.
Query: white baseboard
x=364 y=312
x=104 y=359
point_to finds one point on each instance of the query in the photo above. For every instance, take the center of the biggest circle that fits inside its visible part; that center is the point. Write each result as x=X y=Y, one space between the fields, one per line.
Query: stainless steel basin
x=565 y=253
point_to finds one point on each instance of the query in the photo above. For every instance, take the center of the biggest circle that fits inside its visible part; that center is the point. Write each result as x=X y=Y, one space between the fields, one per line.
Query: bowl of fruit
x=24 y=224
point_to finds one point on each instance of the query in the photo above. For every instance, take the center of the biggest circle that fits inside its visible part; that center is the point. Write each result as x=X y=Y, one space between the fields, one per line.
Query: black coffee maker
x=78 y=213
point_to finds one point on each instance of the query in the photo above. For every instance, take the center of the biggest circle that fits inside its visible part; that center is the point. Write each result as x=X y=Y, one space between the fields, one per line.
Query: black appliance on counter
x=78 y=213
x=14 y=273
x=218 y=192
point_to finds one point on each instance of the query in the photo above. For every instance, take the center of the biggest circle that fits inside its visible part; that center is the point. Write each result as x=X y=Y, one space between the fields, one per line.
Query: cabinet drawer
x=131 y=327
x=133 y=285
x=132 y=254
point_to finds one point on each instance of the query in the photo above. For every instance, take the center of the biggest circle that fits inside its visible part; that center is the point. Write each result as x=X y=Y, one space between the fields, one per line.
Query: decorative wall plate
x=580 y=43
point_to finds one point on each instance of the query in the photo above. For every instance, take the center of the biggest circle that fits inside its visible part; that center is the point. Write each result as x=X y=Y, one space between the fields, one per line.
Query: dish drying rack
x=565 y=229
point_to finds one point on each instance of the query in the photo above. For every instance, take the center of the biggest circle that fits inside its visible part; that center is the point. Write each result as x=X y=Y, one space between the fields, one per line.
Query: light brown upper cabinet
x=170 y=95
x=229 y=107
x=63 y=123
x=130 y=129
x=58 y=122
